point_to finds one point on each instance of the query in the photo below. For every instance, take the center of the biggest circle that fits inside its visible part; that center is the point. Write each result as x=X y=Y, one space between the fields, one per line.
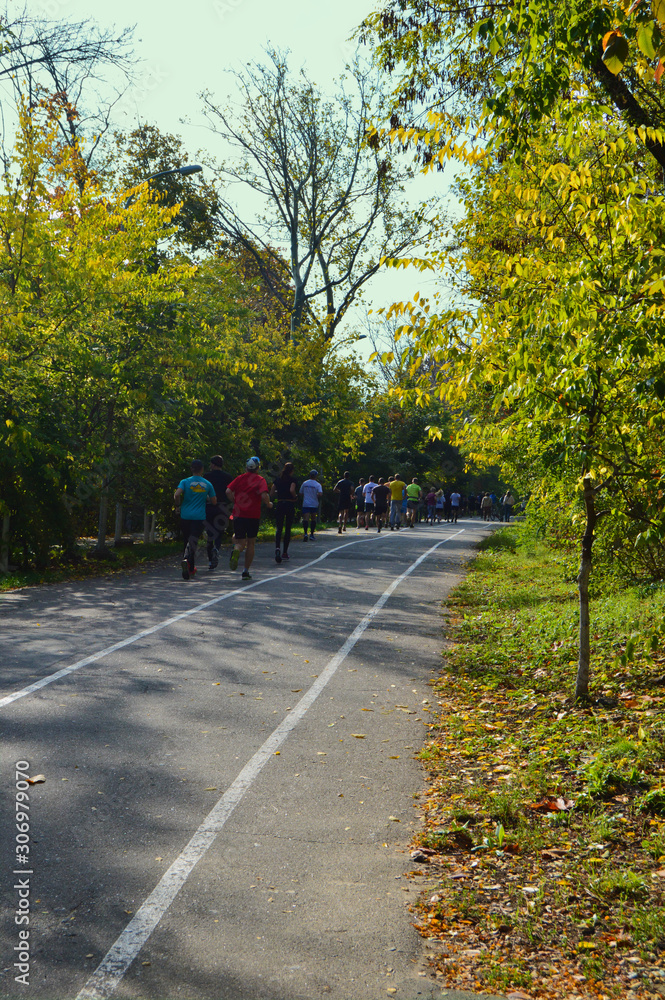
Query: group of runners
x=210 y=501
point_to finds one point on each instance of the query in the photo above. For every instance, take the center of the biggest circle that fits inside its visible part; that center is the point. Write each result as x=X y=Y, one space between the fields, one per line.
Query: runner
x=345 y=489
x=311 y=491
x=285 y=489
x=380 y=496
x=438 y=507
x=360 y=503
x=247 y=492
x=454 y=505
x=413 y=494
x=218 y=516
x=368 y=490
x=397 y=488
x=190 y=498
x=430 y=500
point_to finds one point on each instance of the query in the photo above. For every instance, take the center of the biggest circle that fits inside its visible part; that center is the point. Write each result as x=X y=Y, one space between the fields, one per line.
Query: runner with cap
x=247 y=492
x=311 y=492
x=190 y=497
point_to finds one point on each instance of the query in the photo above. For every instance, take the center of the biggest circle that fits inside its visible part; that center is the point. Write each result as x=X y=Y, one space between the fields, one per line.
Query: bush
x=498 y=541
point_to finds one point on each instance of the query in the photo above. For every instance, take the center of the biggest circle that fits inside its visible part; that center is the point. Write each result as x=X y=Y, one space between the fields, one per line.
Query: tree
x=145 y=151
x=75 y=60
x=561 y=367
x=332 y=200
x=508 y=66
x=75 y=267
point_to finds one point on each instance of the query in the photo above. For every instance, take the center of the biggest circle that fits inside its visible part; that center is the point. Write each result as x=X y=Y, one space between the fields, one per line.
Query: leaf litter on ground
x=543 y=835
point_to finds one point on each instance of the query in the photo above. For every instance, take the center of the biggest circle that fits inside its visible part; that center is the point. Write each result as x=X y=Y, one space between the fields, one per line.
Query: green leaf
x=658 y=8
x=645 y=40
x=616 y=52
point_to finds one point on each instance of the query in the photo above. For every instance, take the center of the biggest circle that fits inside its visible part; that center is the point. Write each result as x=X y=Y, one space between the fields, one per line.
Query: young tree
x=332 y=200
x=563 y=361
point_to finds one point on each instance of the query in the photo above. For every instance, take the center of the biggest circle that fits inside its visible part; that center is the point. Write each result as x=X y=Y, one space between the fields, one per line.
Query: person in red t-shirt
x=247 y=492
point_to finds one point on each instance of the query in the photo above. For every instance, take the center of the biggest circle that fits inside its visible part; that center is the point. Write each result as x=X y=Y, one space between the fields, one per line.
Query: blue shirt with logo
x=196 y=490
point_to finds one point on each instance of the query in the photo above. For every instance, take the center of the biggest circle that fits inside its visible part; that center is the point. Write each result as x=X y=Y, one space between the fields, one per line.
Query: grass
x=562 y=806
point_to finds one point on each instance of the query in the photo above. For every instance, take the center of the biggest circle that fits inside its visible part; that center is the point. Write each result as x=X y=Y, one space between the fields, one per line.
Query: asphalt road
x=230 y=774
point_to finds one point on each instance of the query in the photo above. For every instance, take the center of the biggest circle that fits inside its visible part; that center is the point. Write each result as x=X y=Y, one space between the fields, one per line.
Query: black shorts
x=369 y=508
x=412 y=504
x=344 y=504
x=246 y=527
x=190 y=529
x=380 y=510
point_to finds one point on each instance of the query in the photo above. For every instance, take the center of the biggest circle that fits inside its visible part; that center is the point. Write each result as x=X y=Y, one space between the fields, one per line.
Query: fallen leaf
x=145 y=963
x=359 y=736
x=38 y=779
x=296 y=690
x=394 y=819
x=519 y=996
x=213 y=788
x=90 y=955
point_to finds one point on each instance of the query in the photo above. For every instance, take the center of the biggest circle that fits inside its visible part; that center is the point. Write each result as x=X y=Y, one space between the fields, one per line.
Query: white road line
x=120 y=956
x=66 y=671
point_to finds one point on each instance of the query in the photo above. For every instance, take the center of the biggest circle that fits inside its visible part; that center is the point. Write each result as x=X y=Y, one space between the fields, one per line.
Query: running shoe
x=392 y=527
x=285 y=555
x=304 y=537
x=378 y=529
x=343 y=527
x=185 y=569
x=233 y=561
x=339 y=530
x=246 y=575
x=214 y=560
x=278 y=556
x=311 y=537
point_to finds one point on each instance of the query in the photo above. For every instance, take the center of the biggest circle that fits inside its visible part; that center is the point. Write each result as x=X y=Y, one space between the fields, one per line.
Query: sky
x=186 y=48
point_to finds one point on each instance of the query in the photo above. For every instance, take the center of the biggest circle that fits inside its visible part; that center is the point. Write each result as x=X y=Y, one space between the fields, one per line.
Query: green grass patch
x=566 y=850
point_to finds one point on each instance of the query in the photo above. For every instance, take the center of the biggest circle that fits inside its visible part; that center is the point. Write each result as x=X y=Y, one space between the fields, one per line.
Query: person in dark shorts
x=247 y=492
x=285 y=488
x=380 y=495
x=368 y=490
x=360 y=503
x=190 y=497
x=345 y=489
x=219 y=515
x=312 y=491
x=413 y=494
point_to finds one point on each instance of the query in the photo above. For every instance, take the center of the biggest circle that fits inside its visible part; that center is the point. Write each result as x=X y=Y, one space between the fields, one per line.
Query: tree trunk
x=4 y=545
x=117 y=538
x=153 y=518
x=582 y=684
x=633 y=110
x=100 y=547
x=146 y=526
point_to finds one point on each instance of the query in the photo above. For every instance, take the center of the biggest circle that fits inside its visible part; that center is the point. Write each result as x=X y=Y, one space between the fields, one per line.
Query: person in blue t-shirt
x=191 y=497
